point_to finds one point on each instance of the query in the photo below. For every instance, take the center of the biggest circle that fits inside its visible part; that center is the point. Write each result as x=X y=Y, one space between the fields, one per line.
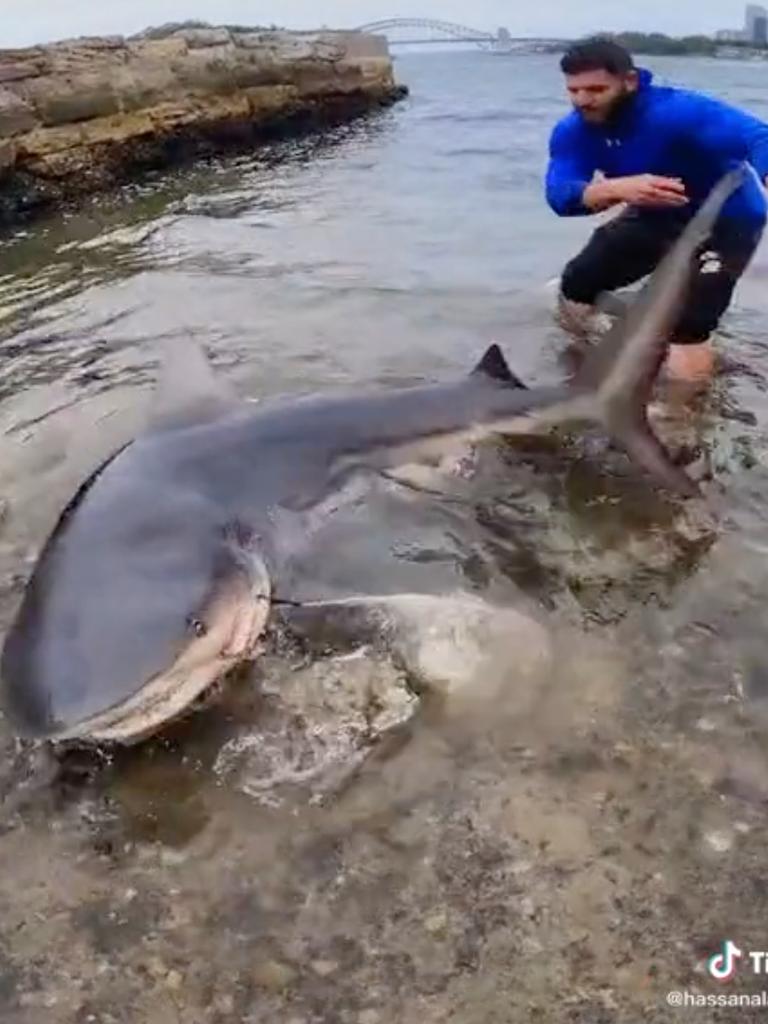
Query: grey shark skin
x=158 y=577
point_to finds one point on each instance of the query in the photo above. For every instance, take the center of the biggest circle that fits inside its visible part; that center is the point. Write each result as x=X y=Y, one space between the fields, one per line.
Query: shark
x=162 y=570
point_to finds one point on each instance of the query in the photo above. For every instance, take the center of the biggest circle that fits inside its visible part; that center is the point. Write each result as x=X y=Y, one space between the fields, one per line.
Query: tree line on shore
x=658 y=44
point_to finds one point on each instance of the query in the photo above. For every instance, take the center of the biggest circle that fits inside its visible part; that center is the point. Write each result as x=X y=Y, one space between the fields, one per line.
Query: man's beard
x=611 y=113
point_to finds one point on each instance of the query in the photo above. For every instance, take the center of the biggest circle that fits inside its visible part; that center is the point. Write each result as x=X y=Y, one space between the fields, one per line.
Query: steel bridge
x=421 y=31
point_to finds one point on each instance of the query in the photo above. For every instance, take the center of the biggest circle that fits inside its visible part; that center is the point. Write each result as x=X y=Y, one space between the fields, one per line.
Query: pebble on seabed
x=719 y=840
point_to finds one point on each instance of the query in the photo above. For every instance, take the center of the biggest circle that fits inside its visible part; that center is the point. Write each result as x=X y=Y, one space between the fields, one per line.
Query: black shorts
x=627 y=249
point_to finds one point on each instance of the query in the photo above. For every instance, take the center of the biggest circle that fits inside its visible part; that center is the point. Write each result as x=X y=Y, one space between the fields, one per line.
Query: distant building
x=755 y=17
x=755 y=29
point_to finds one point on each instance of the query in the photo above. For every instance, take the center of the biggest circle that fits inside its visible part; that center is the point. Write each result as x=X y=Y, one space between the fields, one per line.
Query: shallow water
x=474 y=833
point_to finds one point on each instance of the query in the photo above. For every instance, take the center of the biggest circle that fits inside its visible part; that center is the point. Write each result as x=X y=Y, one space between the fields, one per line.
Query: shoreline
x=85 y=116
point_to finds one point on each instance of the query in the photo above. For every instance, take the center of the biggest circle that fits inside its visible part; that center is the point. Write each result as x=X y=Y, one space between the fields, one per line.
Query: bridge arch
x=447 y=29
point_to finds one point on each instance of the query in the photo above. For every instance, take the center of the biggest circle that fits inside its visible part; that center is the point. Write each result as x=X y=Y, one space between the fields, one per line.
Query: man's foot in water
x=689 y=368
x=585 y=323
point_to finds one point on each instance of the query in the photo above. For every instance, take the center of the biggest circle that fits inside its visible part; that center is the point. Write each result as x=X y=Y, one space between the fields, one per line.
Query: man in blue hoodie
x=656 y=152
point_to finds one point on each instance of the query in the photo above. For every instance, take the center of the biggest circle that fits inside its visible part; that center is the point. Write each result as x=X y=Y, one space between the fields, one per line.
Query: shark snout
x=225 y=637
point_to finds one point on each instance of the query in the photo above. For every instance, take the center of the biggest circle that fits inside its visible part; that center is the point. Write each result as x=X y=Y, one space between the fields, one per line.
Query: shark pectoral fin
x=646 y=450
x=346 y=482
x=187 y=390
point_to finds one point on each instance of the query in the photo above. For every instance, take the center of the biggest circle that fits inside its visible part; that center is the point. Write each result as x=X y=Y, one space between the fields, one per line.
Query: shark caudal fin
x=619 y=373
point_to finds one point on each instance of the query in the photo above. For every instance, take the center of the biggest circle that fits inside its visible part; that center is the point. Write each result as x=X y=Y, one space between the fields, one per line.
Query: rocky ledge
x=84 y=115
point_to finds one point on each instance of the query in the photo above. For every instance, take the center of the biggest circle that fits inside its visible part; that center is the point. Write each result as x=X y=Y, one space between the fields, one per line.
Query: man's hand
x=638 y=190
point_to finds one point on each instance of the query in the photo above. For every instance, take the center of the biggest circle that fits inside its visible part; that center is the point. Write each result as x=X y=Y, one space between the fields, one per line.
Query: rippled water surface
x=551 y=813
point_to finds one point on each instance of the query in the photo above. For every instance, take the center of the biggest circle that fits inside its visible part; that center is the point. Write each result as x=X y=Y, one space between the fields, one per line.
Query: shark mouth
x=167 y=696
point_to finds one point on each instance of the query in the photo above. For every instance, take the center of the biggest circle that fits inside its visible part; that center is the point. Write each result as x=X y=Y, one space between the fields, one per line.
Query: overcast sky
x=23 y=22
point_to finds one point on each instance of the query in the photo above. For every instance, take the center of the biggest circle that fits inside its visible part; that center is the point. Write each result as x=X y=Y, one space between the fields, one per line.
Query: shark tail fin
x=617 y=376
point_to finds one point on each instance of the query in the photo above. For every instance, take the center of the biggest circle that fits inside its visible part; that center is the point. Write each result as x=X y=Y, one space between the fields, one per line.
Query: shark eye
x=197 y=626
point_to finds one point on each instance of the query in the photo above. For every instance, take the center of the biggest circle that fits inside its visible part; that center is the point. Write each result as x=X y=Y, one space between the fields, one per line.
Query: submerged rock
x=83 y=115
x=317 y=726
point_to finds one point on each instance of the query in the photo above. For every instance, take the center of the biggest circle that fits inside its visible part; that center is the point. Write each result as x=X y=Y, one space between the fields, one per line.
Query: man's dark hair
x=597 y=55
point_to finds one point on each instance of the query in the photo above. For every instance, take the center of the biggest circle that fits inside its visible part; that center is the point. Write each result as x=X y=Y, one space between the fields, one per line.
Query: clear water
x=561 y=842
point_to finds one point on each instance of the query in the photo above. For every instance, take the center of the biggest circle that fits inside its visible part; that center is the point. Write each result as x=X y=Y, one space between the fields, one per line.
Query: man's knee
x=578 y=282
x=717 y=275
x=710 y=296
x=619 y=252
x=697 y=324
x=707 y=304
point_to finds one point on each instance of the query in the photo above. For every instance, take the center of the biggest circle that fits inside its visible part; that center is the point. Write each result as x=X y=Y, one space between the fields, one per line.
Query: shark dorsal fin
x=187 y=390
x=494 y=365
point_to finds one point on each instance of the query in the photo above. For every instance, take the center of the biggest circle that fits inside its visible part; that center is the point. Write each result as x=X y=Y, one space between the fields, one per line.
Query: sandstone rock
x=10 y=72
x=269 y=99
x=172 y=116
x=28 y=53
x=16 y=116
x=157 y=50
x=72 y=164
x=93 y=42
x=249 y=70
x=254 y=40
x=7 y=159
x=139 y=91
x=43 y=141
x=223 y=108
x=205 y=71
x=81 y=98
x=118 y=128
x=87 y=113
x=200 y=37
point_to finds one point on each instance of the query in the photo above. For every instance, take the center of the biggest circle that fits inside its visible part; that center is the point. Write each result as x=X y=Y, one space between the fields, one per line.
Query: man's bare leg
x=691 y=364
x=581 y=320
x=574 y=317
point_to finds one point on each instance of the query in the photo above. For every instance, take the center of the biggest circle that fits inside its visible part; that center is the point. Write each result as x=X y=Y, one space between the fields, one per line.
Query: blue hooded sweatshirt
x=665 y=131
